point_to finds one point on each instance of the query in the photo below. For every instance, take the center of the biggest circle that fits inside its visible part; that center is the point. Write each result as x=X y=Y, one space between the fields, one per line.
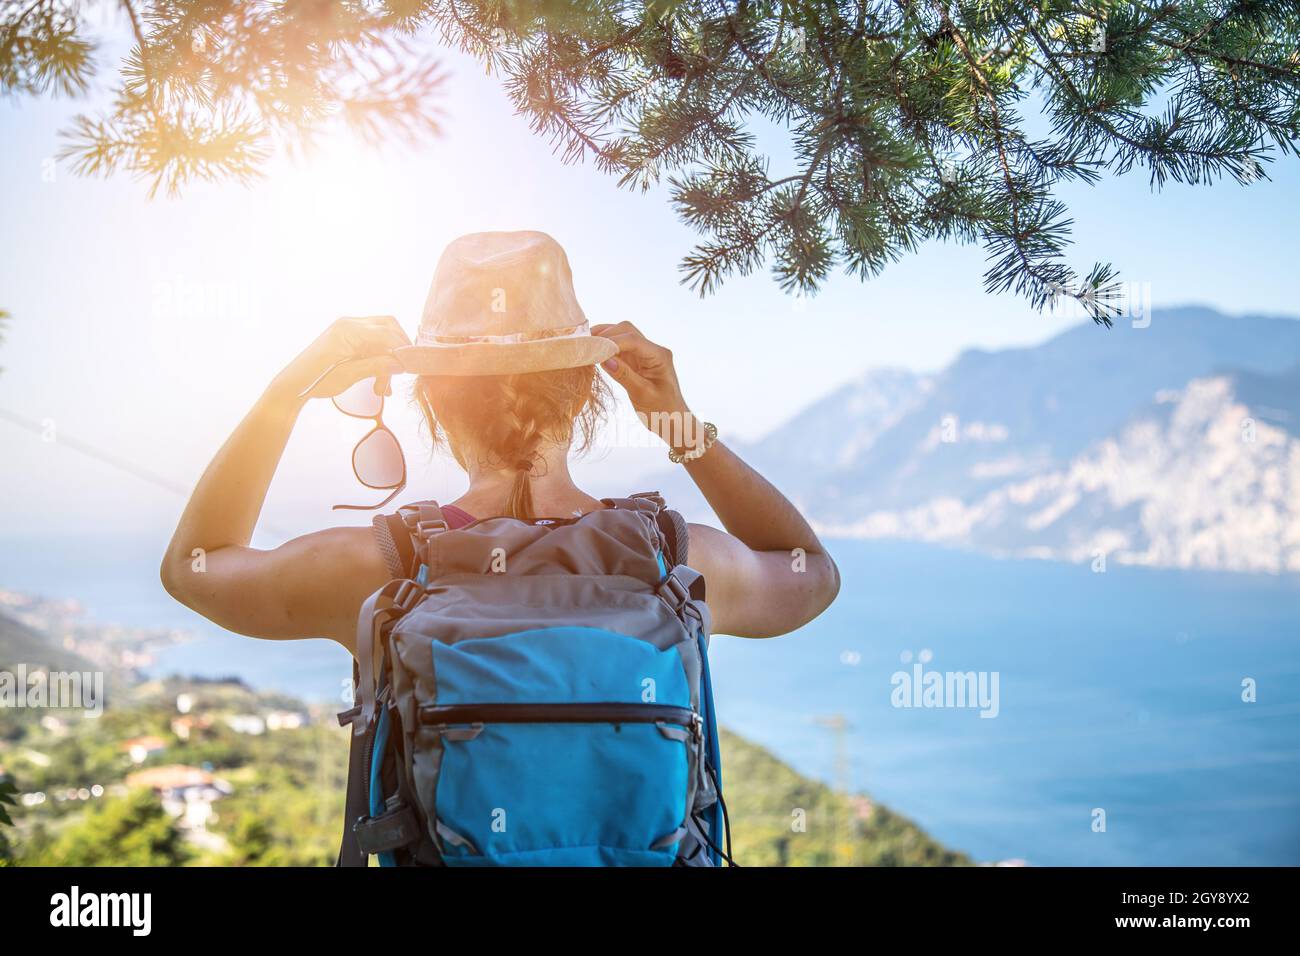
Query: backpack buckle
x=428 y=527
x=680 y=595
x=408 y=592
x=393 y=828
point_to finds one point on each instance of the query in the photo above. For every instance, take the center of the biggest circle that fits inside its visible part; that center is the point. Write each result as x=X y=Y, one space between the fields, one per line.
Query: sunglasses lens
x=360 y=400
x=378 y=460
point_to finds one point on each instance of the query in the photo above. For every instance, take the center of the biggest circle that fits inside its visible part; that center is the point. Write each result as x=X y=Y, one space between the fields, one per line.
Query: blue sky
x=148 y=328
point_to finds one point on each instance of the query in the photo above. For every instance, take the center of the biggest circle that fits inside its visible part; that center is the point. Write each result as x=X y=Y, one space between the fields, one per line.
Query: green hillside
x=286 y=796
x=276 y=768
x=781 y=818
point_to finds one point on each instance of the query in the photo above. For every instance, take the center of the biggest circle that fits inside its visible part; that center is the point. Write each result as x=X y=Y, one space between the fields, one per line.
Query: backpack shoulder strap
x=401 y=535
x=650 y=502
x=677 y=537
x=354 y=800
x=394 y=544
x=672 y=526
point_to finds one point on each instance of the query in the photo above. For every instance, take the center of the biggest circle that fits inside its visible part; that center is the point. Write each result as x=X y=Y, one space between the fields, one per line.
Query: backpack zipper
x=441 y=716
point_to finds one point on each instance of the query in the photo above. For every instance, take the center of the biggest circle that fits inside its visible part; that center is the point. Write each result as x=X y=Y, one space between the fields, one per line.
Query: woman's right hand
x=767 y=574
x=351 y=349
x=646 y=370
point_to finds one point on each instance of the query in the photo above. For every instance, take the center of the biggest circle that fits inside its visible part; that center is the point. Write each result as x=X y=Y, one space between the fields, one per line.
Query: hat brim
x=513 y=358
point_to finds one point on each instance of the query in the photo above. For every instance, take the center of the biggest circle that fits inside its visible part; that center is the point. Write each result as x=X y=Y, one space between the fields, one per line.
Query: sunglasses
x=377 y=459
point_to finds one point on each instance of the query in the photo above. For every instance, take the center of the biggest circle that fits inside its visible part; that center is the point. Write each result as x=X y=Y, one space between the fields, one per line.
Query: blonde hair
x=503 y=418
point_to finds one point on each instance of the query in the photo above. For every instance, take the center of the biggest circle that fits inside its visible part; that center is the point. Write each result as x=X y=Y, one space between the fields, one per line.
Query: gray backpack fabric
x=541 y=698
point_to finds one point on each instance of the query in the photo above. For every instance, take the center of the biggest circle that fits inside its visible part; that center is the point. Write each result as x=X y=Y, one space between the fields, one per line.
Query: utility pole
x=842 y=837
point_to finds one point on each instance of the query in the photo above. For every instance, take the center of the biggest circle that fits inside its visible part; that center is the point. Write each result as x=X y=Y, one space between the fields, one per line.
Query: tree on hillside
x=133 y=830
x=8 y=790
x=904 y=120
x=8 y=794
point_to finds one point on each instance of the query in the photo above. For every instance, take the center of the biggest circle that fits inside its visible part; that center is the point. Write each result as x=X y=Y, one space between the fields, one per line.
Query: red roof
x=172 y=777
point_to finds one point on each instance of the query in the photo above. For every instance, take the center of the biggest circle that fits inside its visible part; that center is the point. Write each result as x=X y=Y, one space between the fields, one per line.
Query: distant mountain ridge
x=1173 y=445
x=22 y=644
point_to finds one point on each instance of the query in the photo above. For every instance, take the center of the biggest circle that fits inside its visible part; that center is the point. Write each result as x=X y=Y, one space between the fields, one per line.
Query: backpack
x=543 y=696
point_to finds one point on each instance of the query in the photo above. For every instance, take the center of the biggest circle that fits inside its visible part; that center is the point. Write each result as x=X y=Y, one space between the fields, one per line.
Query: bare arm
x=310 y=586
x=767 y=574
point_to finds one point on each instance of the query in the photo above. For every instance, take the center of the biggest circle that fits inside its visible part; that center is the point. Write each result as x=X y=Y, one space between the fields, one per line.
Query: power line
x=90 y=451
x=113 y=461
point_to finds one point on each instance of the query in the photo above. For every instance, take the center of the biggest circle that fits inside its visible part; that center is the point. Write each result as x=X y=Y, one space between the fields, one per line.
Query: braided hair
x=510 y=416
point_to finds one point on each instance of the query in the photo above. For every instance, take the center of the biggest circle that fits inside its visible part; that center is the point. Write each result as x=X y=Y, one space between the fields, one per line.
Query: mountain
x=23 y=644
x=830 y=435
x=1174 y=445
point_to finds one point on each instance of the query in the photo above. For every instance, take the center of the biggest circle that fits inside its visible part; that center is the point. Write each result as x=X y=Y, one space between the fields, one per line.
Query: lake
x=1119 y=696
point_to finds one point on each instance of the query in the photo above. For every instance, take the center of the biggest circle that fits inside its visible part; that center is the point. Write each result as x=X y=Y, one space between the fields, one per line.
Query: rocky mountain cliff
x=1172 y=445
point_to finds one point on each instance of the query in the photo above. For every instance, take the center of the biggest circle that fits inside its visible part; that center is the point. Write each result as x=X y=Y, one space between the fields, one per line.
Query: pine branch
x=900 y=119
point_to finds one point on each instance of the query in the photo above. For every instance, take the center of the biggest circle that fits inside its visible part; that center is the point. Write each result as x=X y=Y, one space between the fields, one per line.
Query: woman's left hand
x=350 y=350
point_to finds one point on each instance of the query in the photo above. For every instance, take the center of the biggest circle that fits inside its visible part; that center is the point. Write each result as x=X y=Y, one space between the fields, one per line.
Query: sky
x=146 y=329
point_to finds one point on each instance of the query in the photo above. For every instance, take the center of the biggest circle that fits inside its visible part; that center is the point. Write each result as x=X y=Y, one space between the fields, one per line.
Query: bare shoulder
x=310 y=586
x=709 y=545
x=332 y=557
x=759 y=593
x=328 y=575
x=353 y=549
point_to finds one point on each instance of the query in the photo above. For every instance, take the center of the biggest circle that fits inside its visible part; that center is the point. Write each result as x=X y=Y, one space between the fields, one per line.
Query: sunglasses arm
x=396 y=492
x=306 y=393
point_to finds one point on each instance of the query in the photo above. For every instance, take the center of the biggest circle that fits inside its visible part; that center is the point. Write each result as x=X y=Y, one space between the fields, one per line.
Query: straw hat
x=502 y=303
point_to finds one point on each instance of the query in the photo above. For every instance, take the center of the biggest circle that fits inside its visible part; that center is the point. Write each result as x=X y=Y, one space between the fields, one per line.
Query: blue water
x=1118 y=692
x=116 y=580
